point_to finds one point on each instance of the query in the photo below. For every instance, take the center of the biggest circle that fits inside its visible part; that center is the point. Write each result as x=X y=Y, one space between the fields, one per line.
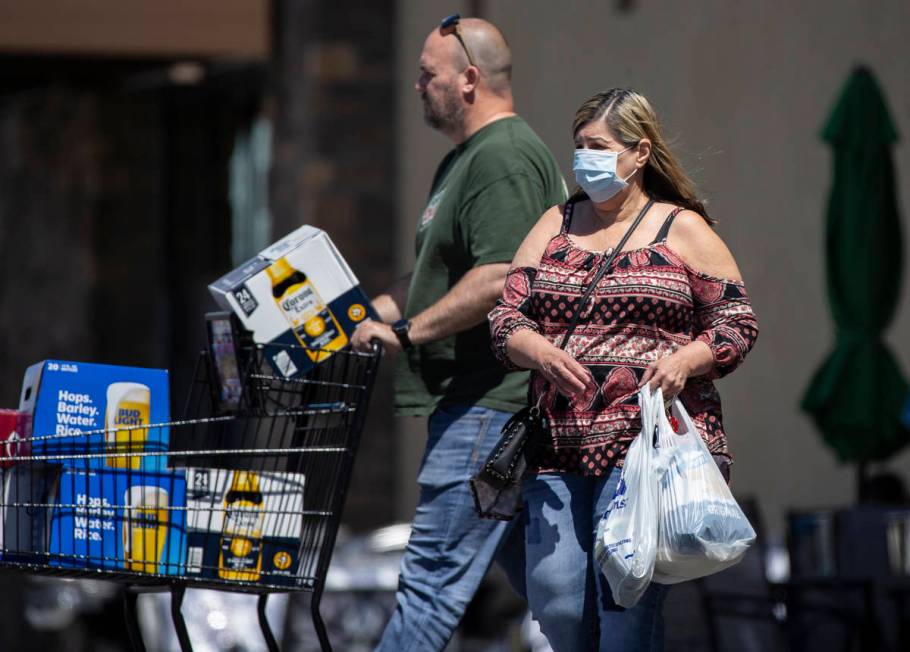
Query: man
x=486 y=195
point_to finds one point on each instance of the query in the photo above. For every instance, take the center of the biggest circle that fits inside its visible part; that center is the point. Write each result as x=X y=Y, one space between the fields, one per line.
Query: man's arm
x=390 y=304
x=462 y=307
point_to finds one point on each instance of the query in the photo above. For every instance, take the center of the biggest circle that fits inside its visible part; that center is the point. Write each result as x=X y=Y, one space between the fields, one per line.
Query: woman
x=671 y=311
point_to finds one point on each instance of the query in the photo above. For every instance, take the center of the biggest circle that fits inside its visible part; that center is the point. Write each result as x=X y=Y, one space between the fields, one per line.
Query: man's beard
x=445 y=114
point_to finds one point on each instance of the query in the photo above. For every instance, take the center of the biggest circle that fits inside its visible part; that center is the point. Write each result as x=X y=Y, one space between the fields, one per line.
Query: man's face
x=443 y=107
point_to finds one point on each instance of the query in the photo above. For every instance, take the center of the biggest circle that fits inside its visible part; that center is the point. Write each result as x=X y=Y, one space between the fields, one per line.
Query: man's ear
x=472 y=79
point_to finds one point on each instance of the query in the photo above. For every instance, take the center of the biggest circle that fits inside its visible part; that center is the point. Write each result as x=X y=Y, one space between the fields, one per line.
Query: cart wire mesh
x=241 y=493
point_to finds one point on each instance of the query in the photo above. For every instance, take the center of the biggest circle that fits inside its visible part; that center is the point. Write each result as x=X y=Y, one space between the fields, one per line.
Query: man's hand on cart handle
x=368 y=330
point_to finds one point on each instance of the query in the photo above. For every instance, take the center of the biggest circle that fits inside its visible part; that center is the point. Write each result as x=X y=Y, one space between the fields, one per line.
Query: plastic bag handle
x=681 y=409
x=651 y=411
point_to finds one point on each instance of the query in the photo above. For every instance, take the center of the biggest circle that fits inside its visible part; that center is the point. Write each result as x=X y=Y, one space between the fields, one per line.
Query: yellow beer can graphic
x=126 y=423
x=145 y=528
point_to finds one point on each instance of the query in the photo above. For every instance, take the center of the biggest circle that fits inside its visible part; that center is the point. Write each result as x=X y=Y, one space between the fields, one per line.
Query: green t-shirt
x=487 y=194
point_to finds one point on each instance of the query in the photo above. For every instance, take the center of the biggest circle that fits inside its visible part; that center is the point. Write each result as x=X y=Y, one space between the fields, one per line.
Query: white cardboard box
x=268 y=526
x=319 y=311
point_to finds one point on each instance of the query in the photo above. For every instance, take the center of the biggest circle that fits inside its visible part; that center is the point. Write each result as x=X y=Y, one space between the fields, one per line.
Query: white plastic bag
x=701 y=529
x=626 y=541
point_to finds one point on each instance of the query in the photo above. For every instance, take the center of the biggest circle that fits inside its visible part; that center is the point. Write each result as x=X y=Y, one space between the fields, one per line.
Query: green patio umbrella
x=856 y=397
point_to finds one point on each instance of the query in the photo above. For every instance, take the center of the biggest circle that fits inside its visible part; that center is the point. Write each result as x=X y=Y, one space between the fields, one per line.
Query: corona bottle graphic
x=145 y=528
x=241 y=540
x=310 y=319
x=126 y=423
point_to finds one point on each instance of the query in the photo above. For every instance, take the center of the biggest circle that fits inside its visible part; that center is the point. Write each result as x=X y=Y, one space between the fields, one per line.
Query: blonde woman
x=671 y=311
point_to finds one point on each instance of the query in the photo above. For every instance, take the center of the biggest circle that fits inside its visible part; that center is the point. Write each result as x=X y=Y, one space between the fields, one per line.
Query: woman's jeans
x=568 y=594
x=451 y=547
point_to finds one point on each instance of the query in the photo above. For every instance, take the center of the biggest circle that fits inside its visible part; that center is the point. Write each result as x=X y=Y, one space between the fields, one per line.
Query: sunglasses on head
x=452 y=22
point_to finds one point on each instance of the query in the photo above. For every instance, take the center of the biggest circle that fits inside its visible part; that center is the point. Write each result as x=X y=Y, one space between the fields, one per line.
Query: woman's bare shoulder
x=552 y=218
x=535 y=243
x=701 y=247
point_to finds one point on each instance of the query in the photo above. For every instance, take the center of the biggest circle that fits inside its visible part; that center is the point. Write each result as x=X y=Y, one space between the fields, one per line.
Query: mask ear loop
x=631 y=174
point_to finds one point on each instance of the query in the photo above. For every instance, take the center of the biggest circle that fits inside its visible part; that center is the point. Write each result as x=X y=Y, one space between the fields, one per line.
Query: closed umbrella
x=856 y=396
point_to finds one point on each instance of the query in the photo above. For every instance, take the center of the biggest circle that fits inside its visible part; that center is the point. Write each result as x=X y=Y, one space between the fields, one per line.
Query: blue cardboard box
x=24 y=515
x=120 y=520
x=90 y=416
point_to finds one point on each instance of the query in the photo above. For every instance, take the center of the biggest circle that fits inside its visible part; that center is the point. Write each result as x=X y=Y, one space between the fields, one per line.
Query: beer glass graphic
x=144 y=528
x=126 y=423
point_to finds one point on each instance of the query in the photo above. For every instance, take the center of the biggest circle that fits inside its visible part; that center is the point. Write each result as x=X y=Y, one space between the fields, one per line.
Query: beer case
x=24 y=516
x=321 y=313
x=119 y=521
x=97 y=410
x=268 y=545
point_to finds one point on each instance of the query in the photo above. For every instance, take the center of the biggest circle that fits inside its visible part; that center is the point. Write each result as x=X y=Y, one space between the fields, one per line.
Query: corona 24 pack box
x=120 y=520
x=99 y=412
x=298 y=297
x=244 y=525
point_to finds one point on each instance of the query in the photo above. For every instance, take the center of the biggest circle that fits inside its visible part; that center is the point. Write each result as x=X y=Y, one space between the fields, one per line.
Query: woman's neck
x=627 y=208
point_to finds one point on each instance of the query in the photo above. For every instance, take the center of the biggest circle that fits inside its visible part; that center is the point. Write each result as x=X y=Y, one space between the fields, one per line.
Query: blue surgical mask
x=595 y=172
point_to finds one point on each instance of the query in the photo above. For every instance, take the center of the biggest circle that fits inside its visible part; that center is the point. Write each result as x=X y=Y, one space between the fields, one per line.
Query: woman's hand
x=564 y=372
x=670 y=374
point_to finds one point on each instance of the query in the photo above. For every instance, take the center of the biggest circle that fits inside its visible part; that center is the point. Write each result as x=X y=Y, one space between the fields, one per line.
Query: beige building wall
x=743 y=89
x=139 y=28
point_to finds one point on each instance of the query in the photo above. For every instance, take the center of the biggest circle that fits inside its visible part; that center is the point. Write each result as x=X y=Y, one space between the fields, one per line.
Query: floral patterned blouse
x=649 y=304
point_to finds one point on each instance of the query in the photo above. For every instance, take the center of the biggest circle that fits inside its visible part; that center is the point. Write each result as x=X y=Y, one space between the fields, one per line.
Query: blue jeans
x=450 y=548
x=568 y=594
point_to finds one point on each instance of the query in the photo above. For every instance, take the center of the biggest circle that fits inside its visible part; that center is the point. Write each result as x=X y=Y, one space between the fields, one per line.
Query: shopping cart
x=246 y=496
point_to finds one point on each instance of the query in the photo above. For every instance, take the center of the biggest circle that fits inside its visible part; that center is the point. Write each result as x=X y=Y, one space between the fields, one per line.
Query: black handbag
x=496 y=487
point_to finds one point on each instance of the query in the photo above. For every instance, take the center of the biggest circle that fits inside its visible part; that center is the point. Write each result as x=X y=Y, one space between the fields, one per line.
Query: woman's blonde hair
x=629 y=117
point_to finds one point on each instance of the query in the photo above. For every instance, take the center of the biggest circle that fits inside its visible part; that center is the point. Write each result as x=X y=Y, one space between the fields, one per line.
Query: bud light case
x=120 y=520
x=97 y=416
x=244 y=526
x=299 y=298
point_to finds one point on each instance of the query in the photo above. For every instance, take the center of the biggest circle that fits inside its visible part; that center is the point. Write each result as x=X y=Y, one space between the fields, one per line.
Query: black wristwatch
x=401 y=328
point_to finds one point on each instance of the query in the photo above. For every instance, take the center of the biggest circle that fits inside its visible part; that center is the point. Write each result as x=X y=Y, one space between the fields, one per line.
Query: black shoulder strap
x=600 y=272
x=665 y=227
x=567 y=216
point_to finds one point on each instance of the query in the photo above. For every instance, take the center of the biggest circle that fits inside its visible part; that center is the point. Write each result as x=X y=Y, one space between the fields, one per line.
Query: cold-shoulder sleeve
x=512 y=312
x=724 y=320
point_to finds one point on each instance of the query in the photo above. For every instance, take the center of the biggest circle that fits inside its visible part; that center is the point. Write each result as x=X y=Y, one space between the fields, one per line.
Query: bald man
x=486 y=194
